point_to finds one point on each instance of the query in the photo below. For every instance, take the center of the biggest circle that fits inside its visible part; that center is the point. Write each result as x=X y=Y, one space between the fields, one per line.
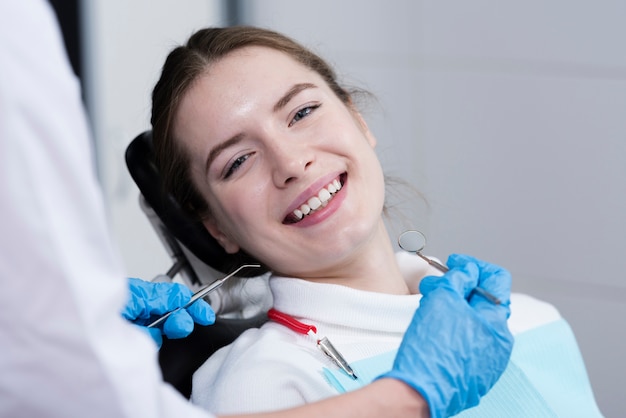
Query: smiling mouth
x=316 y=202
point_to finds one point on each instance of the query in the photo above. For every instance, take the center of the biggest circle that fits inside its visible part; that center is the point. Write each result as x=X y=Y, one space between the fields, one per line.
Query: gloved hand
x=148 y=299
x=458 y=343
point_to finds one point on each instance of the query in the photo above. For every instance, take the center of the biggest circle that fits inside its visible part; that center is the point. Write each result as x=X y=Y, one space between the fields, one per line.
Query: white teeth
x=318 y=201
x=315 y=203
x=324 y=195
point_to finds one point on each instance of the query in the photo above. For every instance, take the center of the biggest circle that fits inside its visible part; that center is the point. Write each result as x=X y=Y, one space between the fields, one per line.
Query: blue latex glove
x=458 y=343
x=148 y=299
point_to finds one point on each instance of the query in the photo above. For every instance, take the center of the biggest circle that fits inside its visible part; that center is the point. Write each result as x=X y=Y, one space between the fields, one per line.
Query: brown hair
x=183 y=66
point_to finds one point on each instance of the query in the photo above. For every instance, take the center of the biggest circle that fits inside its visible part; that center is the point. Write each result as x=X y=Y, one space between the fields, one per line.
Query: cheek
x=374 y=177
x=227 y=211
x=237 y=210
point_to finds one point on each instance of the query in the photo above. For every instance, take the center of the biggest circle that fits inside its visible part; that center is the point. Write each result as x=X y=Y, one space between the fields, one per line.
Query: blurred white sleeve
x=65 y=350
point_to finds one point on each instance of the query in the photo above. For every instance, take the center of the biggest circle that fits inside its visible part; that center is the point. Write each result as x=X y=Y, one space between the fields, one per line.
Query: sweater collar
x=337 y=305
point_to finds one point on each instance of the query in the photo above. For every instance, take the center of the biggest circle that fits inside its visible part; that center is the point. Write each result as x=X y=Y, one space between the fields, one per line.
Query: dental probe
x=408 y=245
x=202 y=293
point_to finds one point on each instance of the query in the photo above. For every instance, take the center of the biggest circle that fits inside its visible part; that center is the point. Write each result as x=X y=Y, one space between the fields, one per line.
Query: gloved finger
x=462 y=279
x=201 y=312
x=495 y=280
x=135 y=305
x=163 y=297
x=178 y=325
x=149 y=298
x=497 y=286
x=495 y=314
x=168 y=296
x=492 y=278
x=498 y=283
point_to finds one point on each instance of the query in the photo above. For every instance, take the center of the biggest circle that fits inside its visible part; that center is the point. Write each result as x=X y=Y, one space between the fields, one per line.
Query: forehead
x=250 y=74
x=240 y=84
x=255 y=67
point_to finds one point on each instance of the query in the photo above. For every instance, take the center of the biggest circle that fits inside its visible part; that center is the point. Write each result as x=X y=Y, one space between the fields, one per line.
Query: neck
x=373 y=267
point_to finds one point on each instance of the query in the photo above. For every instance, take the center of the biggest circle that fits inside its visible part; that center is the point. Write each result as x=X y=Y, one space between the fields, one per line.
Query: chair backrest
x=191 y=233
x=180 y=358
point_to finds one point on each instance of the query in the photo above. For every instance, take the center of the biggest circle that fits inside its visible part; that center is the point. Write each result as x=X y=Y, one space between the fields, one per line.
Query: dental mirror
x=413 y=241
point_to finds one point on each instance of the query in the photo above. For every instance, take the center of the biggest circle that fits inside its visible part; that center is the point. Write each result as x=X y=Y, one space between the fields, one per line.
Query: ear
x=229 y=245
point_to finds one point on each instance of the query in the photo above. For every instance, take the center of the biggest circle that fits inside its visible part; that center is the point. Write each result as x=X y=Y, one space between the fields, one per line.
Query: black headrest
x=191 y=233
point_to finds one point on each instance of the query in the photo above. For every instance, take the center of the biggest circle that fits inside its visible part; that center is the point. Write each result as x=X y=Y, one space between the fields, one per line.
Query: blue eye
x=236 y=165
x=303 y=113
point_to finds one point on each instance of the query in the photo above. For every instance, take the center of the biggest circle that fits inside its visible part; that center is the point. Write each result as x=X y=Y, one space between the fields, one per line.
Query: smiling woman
x=255 y=136
x=254 y=156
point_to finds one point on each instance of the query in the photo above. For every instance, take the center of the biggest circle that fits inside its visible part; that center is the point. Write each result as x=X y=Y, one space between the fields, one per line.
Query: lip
x=312 y=190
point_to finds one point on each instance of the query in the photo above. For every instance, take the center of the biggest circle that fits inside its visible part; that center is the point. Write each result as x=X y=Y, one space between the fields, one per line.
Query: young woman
x=256 y=137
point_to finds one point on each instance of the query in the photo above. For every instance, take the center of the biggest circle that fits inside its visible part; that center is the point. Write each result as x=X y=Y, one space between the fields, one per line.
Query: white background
x=510 y=118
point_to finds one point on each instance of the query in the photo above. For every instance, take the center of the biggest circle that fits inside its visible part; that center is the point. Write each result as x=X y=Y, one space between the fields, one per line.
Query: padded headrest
x=191 y=233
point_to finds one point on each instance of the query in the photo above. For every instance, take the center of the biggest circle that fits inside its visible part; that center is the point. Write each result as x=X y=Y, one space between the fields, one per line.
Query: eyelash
x=303 y=113
x=235 y=165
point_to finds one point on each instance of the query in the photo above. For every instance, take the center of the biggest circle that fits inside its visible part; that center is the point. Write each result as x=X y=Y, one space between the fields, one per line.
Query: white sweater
x=274 y=367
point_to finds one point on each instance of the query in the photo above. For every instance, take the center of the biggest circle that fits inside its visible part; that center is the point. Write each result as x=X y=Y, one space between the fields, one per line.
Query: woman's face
x=268 y=142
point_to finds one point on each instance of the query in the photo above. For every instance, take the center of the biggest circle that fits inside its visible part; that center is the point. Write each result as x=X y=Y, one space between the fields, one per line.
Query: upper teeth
x=318 y=201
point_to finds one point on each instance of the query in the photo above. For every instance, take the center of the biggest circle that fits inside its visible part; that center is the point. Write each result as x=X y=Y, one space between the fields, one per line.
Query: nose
x=291 y=159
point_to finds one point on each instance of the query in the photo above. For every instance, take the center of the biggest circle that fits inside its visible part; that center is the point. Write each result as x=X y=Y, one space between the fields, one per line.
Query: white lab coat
x=64 y=349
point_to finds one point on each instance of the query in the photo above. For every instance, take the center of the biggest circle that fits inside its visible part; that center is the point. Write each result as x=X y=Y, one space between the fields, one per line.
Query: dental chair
x=197 y=259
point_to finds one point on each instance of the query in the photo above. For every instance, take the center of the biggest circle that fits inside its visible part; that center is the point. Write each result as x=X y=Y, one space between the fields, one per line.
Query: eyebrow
x=282 y=102
x=297 y=88
x=215 y=151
